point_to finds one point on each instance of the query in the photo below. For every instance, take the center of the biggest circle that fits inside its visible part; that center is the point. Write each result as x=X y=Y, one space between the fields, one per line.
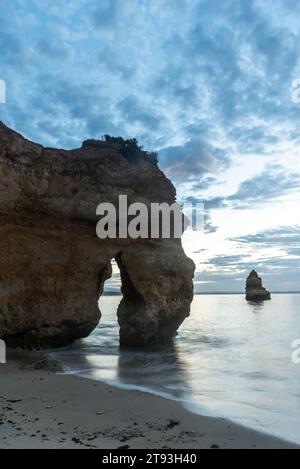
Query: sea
x=231 y=359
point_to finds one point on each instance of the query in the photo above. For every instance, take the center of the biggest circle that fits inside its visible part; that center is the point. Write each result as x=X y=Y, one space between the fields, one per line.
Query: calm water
x=231 y=359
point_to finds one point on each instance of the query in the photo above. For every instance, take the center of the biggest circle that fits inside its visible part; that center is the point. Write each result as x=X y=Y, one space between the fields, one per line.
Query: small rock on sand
x=50 y=364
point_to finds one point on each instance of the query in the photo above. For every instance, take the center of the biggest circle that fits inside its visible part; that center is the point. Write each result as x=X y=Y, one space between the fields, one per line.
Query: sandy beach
x=39 y=409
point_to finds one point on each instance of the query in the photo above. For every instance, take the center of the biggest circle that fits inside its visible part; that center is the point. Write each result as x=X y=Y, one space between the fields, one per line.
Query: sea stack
x=254 y=288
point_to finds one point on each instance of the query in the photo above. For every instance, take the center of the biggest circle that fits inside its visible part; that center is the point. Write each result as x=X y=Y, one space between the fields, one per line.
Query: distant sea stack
x=254 y=288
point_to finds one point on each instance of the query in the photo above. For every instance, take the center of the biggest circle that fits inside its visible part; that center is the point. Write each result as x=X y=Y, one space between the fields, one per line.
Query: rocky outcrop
x=49 y=364
x=254 y=289
x=52 y=264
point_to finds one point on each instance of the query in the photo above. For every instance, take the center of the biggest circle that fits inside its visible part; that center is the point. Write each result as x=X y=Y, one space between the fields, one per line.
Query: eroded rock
x=50 y=364
x=53 y=266
x=254 y=289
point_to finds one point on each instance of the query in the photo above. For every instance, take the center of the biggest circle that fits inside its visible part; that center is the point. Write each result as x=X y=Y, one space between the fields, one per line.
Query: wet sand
x=39 y=409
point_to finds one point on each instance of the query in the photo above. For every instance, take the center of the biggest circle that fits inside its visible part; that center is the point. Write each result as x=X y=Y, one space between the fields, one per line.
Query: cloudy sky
x=207 y=83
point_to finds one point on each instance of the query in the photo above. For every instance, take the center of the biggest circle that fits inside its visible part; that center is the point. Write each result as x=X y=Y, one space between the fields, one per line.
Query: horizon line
x=112 y=292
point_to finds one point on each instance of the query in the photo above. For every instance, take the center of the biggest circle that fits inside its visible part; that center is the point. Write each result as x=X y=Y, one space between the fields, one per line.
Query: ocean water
x=230 y=359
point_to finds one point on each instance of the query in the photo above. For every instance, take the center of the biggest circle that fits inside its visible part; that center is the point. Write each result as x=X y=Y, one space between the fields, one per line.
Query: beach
x=39 y=409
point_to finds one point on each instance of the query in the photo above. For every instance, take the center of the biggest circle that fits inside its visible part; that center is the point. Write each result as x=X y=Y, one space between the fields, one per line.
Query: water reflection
x=153 y=368
x=256 y=306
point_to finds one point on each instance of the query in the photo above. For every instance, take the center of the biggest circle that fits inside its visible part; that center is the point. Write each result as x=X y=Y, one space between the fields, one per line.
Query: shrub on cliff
x=131 y=149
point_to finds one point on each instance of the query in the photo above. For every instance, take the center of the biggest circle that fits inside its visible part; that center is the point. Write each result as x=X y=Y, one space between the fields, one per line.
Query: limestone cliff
x=254 y=289
x=52 y=264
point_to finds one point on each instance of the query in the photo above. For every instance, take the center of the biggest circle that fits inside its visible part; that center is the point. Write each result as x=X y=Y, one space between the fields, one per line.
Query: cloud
x=208 y=205
x=188 y=69
x=267 y=186
x=116 y=63
x=207 y=83
x=285 y=237
x=254 y=139
x=204 y=183
x=275 y=254
x=192 y=160
x=105 y=13
x=262 y=189
x=136 y=111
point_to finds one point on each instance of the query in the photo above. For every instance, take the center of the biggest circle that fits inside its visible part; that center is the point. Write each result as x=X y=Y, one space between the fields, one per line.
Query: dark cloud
x=116 y=63
x=254 y=139
x=204 y=183
x=175 y=84
x=137 y=112
x=104 y=14
x=11 y=48
x=269 y=185
x=208 y=204
x=285 y=237
x=192 y=160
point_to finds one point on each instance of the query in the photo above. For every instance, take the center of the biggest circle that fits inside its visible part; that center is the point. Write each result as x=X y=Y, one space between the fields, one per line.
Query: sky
x=207 y=84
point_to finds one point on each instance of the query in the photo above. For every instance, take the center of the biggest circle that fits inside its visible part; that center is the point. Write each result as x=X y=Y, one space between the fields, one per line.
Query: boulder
x=50 y=364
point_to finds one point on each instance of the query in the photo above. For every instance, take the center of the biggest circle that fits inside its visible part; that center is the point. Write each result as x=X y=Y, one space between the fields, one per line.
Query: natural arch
x=53 y=266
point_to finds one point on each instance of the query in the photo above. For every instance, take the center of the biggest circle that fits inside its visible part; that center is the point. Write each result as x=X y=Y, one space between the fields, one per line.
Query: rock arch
x=53 y=266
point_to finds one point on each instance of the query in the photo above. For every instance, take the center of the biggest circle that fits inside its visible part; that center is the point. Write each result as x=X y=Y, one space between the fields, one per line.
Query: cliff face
x=254 y=289
x=52 y=264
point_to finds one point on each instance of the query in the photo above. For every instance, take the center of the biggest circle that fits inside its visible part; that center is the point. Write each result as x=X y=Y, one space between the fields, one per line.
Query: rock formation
x=52 y=264
x=254 y=289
